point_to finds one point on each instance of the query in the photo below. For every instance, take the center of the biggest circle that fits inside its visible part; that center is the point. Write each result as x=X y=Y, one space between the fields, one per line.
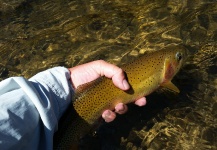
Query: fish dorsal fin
x=169 y=85
x=82 y=89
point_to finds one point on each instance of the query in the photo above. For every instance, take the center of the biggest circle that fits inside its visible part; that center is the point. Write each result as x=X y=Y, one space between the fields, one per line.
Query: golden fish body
x=144 y=75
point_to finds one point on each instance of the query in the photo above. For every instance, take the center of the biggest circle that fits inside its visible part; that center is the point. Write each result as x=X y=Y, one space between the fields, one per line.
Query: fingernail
x=141 y=102
x=119 y=107
x=126 y=84
x=108 y=114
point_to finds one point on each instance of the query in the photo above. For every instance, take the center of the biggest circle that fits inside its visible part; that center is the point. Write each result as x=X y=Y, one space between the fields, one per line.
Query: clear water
x=40 y=34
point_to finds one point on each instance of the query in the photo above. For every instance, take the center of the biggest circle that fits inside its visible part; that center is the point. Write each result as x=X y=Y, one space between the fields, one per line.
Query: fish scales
x=144 y=75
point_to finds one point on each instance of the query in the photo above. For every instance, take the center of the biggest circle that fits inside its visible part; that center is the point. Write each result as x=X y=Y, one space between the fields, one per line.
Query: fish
x=71 y=129
x=145 y=75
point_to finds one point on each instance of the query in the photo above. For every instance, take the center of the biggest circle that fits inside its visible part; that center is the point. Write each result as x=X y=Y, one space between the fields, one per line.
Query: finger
x=121 y=108
x=141 y=102
x=85 y=73
x=108 y=115
x=114 y=72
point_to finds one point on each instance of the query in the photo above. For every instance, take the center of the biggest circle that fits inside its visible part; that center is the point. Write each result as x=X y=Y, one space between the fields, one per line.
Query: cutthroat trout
x=145 y=75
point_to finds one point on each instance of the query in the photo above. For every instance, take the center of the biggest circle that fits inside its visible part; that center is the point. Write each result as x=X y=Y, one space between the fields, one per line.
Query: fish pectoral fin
x=169 y=85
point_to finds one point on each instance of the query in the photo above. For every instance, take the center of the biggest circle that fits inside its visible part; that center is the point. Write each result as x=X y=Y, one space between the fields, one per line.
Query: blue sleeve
x=30 y=109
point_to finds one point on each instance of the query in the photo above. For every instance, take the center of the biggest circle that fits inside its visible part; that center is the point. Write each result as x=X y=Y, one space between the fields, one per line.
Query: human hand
x=90 y=71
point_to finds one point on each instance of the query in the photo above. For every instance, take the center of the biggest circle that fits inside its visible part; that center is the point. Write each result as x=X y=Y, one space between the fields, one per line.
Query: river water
x=40 y=34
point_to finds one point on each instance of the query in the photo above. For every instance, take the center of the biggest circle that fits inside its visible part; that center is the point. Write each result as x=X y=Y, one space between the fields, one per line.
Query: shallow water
x=36 y=35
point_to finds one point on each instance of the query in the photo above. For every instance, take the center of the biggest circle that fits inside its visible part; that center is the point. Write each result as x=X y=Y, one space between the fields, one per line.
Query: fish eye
x=178 y=56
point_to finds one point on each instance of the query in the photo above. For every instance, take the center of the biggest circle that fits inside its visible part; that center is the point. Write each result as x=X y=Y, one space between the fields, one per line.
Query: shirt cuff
x=54 y=88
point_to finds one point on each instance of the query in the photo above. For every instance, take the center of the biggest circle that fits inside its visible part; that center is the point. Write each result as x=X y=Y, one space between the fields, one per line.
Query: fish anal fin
x=169 y=85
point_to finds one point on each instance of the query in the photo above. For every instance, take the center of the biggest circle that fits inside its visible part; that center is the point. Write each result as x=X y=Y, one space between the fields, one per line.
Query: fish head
x=175 y=56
